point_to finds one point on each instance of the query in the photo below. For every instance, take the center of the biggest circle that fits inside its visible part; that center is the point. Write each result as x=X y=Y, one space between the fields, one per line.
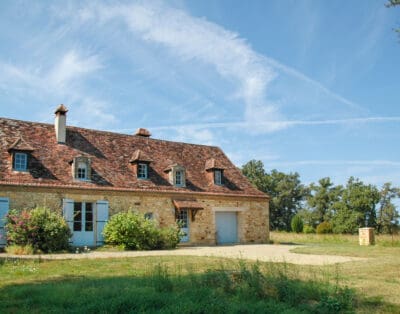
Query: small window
x=178 y=177
x=82 y=171
x=142 y=171
x=218 y=177
x=20 y=161
x=148 y=216
x=77 y=216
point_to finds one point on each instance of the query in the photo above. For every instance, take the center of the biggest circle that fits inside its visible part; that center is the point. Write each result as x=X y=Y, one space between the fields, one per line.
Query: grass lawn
x=378 y=277
x=183 y=284
x=166 y=285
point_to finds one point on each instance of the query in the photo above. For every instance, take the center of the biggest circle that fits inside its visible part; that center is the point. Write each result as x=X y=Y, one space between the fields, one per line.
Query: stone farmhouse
x=89 y=175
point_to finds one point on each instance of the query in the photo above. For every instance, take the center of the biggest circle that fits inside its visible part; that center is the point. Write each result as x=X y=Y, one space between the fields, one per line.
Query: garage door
x=226 y=223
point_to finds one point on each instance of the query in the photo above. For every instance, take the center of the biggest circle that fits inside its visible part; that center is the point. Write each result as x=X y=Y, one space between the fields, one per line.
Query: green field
x=177 y=284
x=378 y=277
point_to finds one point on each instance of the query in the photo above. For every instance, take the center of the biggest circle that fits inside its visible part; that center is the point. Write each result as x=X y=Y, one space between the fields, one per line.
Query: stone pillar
x=366 y=236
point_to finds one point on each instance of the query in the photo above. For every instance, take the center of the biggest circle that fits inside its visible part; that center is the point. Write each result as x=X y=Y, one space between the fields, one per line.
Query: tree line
x=343 y=209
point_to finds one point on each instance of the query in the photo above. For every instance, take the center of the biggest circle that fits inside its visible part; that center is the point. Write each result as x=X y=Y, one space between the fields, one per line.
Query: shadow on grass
x=239 y=289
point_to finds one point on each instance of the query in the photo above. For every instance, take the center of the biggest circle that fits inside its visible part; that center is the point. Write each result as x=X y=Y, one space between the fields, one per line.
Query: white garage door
x=3 y=212
x=226 y=223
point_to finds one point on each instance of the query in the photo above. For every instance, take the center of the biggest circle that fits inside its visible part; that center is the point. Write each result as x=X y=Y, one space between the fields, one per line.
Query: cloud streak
x=193 y=38
x=278 y=124
x=373 y=163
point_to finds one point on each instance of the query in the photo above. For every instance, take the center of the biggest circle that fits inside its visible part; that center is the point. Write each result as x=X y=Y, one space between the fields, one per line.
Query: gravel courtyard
x=261 y=252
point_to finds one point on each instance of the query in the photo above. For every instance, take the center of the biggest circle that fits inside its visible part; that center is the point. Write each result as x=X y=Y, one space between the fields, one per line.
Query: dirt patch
x=261 y=252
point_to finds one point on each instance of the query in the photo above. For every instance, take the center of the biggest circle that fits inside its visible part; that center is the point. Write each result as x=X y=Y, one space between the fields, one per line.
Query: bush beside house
x=132 y=231
x=40 y=229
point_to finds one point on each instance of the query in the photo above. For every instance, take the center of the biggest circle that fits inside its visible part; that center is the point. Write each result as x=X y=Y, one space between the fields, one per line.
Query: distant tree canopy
x=285 y=190
x=345 y=208
x=393 y=3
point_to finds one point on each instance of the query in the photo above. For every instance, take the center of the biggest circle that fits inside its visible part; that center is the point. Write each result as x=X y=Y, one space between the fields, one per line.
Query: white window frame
x=181 y=177
x=142 y=171
x=18 y=164
x=82 y=167
x=218 y=177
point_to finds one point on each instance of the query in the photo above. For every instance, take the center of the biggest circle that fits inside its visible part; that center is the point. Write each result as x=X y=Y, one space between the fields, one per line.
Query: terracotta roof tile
x=20 y=144
x=212 y=163
x=110 y=155
x=138 y=155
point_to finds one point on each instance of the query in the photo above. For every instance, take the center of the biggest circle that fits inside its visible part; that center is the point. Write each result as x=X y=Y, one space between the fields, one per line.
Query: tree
x=387 y=214
x=356 y=208
x=321 y=200
x=254 y=171
x=285 y=190
x=297 y=224
x=393 y=3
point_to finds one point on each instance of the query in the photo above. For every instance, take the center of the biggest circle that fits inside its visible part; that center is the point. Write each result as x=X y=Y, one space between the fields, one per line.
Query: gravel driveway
x=261 y=252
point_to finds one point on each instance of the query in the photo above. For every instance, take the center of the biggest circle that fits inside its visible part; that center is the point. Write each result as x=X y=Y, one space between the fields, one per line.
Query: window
x=142 y=171
x=218 y=177
x=20 y=161
x=178 y=177
x=148 y=216
x=83 y=216
x=82 y=171
x=81 y=168
x=77 y=216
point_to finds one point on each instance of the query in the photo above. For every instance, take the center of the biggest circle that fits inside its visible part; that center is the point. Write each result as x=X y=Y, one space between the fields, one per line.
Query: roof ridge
x=110 y=132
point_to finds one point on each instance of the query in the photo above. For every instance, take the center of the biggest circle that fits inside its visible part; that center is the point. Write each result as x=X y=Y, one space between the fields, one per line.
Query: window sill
x=82 y=180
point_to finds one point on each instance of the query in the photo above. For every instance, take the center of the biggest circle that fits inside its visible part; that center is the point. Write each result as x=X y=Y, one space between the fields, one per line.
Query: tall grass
x=302 y=238
x=231 y=287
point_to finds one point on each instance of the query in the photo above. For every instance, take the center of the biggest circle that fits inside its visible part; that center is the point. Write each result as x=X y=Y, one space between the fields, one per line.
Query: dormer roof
x=21 y=145
x=139 y=155
x=213 y=163
x=170 y=167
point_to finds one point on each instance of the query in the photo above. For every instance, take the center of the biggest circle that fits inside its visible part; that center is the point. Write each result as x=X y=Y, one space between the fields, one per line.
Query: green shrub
x=308 y=229
x=297 y=224
x=40 y=228
x=133 y=231
x=20 y=249
x=324 y=227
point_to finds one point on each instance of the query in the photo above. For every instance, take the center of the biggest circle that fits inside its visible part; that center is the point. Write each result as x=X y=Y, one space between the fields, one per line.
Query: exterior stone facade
x=252 y=212
x=89 y=175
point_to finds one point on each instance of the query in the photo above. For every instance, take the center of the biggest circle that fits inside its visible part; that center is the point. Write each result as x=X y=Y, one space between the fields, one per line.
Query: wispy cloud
x=376 y=163
x=193 y=38
x=72 y=67
x=278 y=124
x=63 y=78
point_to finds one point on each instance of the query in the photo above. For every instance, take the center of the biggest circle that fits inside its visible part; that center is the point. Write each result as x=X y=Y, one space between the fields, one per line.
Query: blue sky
x=306 y=86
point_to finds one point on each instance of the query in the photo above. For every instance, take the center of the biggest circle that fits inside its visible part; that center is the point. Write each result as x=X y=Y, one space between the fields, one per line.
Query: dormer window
x=19 y=152
x=140 y=163
x=81 y=168
x=20 y=161
x=214 y=171
x=142 y=171
x=218 y=176
x=82 y=171
x=177 y=175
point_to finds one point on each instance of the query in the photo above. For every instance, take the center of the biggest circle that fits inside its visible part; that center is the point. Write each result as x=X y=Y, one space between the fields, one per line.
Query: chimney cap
x=61 y=109
x=142 y=132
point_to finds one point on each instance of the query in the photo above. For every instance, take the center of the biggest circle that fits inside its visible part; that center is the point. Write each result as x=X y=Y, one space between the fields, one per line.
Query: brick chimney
x=142 y=132
x=60 y=124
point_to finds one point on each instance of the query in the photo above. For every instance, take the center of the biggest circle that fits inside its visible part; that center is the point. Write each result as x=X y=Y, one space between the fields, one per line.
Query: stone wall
x=252 y=213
